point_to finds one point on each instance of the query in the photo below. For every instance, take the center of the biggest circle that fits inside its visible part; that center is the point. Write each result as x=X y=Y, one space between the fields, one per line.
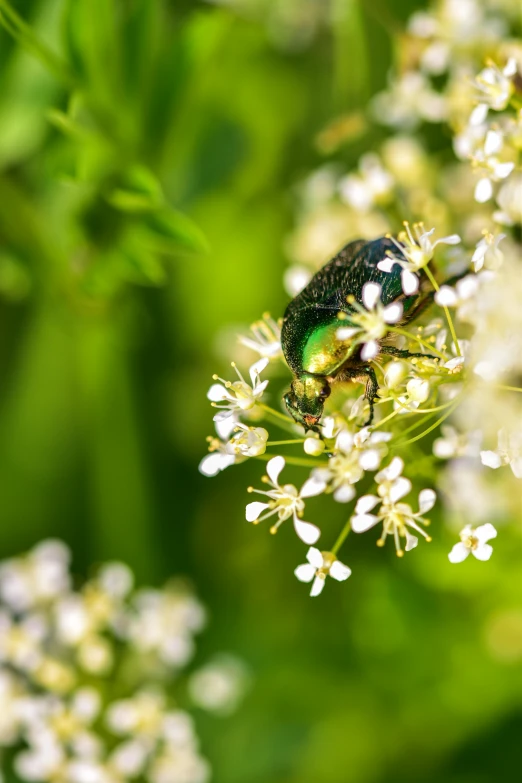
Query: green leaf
x=170 y=231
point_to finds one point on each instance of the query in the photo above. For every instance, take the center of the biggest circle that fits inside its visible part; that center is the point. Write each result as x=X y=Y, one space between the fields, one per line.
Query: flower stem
x=284 y=442
x=342 y=537
x=508 y=388
x=300 y=462
x=446 y=311
x=442 y=418
x=275 y=413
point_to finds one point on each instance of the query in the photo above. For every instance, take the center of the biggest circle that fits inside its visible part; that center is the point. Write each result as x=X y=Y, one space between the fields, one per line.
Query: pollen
x=273 y=530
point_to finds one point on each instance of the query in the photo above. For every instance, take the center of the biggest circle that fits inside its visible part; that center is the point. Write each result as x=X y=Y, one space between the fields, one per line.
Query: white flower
x=474 y=541
x=237 y=396
x=319 y=566
x=409 y=100
x=454 y=444
x=285 y=501
x=266 y=339
x=219 y=685
x=353 y=454
x=416 y=250
x=218 y=458
x=314 y=446
x=37 y=578
x=487 y=253
x=509 y=199
x=396 y=517
x=417 y=392
x=371 y=186
x=246 y=442
x=296 y=278
x=486 y=158
x=508 y=452
x=495 y=88
x=371 y=321
x=461 y=296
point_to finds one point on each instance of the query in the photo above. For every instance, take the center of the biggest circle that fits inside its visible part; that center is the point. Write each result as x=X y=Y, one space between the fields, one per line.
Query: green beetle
x=312 y=349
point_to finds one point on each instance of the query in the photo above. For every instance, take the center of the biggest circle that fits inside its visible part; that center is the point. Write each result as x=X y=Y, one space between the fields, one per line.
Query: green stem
x=300 y=462
x=284 y=442
x=446 y=311
x=275 y=413
x=26 y=37
x=343 y=535
x=442 y=418
x=508 y=388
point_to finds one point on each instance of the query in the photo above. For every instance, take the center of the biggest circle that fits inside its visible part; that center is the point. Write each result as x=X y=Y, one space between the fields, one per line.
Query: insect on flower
x=354 y=296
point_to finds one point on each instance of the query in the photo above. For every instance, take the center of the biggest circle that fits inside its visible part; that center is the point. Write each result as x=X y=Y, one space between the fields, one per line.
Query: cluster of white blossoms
x=448 y=413
x=86 y=675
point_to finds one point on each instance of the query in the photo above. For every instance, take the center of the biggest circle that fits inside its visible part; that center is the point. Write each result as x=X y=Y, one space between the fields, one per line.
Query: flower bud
x=395 y=373
x=313 y=446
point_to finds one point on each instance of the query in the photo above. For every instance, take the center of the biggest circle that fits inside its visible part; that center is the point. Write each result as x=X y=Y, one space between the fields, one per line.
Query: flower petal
x=253 y=510
x=369 y=350
x=411 y=541
x=485 y=532
x=305 y=572
x=257 y=368
x=217 y=393
x=453 y=239
x=314 y=557
x=318 y=586
x=483 y=190
x=344 y=493
x=370 y=459
x=339 y=571
x=371 y=294
x=493 y=143
x=312 y=487
x=306 y=531
x=346 y=332
x=393 y=313
x=427 y=498
x=386 y=265
x=458 y=553
x=410 y=282
x=491 y=459
x=391 y=471
x=274 y=468
x=479 y=114
x=213 y=463
x=399 y=489
x=482 y=552
x=363 y=522
x=446 y=296
x=366 y=503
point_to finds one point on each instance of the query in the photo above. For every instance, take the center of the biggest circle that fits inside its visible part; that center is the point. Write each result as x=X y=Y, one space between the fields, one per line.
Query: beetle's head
x=305 y=400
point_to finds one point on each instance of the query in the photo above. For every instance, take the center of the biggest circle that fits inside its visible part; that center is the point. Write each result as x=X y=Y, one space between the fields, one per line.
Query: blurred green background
x=114 y=115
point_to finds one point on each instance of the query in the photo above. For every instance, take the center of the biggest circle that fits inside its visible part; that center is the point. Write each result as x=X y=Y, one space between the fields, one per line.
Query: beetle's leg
x=372 y=387
x=390 y=350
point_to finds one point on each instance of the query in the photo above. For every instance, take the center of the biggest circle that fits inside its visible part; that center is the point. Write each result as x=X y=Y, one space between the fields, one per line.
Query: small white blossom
x=314 y=446
x=508 y=452
x=417 y=392
x=319 y=566
x=473 y=541
x=219 y=685
x=487 y=254
x=236 y=396
x=36 y=578
x=509 y=199
x=460 y=296
x=371 y=186
x=494 y=170
x=354 y=453
x=396 y=517
x=416 y=250
x=285 y=501
x=371 y=321
x=296 y=278
x=266 y=338
x=495 y=88
x=453 y=444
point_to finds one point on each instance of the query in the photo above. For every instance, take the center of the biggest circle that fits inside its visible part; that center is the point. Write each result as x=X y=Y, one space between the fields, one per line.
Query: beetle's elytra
x=315 y=356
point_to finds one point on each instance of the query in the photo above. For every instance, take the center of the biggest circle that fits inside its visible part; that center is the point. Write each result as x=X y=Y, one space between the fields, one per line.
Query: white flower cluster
x=461 y=358
x=84 y=674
